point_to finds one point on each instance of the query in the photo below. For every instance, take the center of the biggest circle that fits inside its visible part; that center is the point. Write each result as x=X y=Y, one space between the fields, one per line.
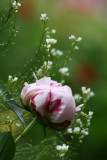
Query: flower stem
x=26 y=130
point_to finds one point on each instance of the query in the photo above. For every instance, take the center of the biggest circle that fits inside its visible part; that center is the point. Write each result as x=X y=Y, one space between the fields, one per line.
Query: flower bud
x=53 y=103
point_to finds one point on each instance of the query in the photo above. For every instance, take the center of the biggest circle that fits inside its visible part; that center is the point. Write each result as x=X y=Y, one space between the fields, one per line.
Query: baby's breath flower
x=90 y=113
x=15 y=79
x=76 y=130
x=79 y=39
x=14 y=3
x=82 y=113
x=8 y=117
x=64 y=71
x=69 y=130
x=16 y=6
x=53 y=31
x=76 y=48
x=77 y=98
x=51 y=41
x=72 y=37
x=63 y=148
x=44 y=17
x=78 y=121
x=48 y=46
x=84 y=132
x=9 y=77
x=39 y=72
x=55 y=52
x=18 y=124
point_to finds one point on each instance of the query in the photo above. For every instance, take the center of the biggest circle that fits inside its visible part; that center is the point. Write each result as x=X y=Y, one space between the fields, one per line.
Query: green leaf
x=13 y=105
x=7 y=146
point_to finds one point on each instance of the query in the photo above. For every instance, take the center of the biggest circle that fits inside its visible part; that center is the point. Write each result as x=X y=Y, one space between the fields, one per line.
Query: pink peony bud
x=53 y=103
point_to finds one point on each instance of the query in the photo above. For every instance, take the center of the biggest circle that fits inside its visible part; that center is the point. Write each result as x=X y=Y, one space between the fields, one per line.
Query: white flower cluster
x=16 y=6
x=51 y=41
x=10 y=78
x=56 y=52
x=44 y=17
x=64 y=71
x=77 y=98
x=81 y=129
x=87 y=93
x=46 y=66
x=62 y=149
x=75 y=41
x=76 y=130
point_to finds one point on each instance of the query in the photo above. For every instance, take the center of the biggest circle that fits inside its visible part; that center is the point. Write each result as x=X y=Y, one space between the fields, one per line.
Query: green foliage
x=12 y=104
x=7 y=146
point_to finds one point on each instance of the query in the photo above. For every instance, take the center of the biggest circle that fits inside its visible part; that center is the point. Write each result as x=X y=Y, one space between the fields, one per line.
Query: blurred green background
x=85 y=18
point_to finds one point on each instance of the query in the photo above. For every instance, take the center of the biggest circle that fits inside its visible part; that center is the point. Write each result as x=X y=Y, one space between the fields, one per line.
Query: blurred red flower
x=86 y=74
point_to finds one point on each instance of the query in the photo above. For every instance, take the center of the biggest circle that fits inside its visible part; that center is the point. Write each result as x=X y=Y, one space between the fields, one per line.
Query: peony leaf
x=13 y=105
x=7 y=146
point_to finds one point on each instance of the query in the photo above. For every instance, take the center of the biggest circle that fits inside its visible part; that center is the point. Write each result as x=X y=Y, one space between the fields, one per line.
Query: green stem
x=26 y=130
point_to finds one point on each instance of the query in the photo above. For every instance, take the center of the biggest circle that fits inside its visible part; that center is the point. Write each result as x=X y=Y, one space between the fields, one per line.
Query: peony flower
x=53 y=103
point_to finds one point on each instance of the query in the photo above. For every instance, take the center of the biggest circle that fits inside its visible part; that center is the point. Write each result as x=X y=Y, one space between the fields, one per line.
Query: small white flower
x=39 y=71
x=53 y=31
x=48 y=46
x=50 y=63
x=76 y=130
x=79 y=39
x=51 y=41
x=78 y=121
x=16 y=11
x=58 y=147
x=15 y=79
x=90 y=113
x=18 y=4
x=69 y=130
x=64 y=71
x=9 y=77
x=59 y=53
x=83 y=89
x=8 y=117
x=55 y=52
x=11 y=121
x=92 y=94
x=84 y=132
x=72 y=37
x=14 y=3
x=45 y=63
x=82 y=113
x=77 y=97
x=76 y=48
x=80 y=141
x=65 y=147
x=18 y=124
x=44 y=17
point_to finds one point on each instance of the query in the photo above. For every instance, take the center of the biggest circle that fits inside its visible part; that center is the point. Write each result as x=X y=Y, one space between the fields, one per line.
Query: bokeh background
x=85 y=18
